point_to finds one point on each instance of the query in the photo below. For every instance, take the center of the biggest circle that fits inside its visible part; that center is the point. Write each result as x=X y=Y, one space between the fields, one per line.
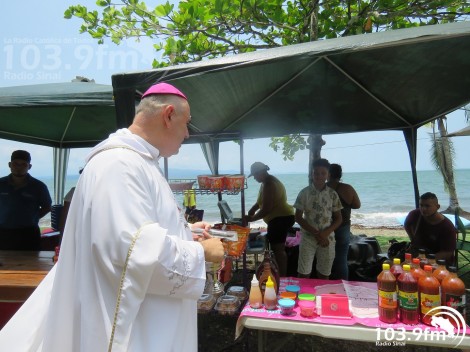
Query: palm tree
x=442 y=156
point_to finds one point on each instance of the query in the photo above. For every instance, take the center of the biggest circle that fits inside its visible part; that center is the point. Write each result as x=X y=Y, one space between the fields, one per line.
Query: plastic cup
x=307 y=308
x=307 y=297
x=293 y=288
x=286 y=305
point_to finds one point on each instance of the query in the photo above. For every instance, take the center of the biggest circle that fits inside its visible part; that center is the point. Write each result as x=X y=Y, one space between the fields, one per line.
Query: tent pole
x=411 y=142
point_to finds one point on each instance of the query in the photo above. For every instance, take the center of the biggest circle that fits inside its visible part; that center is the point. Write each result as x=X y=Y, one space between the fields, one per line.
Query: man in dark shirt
x=430 y=230
x=23 y=201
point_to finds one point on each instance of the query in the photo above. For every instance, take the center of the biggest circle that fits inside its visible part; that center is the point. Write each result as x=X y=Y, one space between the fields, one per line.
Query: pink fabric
x=293 y=241
x=308 y=286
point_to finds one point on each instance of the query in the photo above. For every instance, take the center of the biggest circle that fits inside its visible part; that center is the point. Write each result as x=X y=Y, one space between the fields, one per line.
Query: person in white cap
x=129 y=273
x=272 y=207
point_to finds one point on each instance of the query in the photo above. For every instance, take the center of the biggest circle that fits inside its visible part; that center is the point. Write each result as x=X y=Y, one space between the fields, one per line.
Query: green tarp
x=396 y=79
x=61 y=115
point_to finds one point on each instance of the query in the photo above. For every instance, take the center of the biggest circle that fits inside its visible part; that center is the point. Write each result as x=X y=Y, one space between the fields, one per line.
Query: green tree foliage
x=195 y=30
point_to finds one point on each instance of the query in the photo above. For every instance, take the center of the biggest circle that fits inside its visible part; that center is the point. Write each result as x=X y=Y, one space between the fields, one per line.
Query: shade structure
x=61 y=115
x=398 y=79
x=463 y=132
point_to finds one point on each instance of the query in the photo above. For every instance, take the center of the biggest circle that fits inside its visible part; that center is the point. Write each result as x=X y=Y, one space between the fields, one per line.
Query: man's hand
x=213 y=250
x=248 y=218
x=322 y=241
x=200 y=236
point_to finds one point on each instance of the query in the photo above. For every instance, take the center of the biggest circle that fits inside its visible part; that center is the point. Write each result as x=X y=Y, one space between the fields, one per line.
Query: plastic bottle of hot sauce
x=270 y=298
x=408 y=258
x=422 y=258
x=432 y=261
x=441 y=271
x=255 y=299
x=453 y=292
x=408 y=297
x=386 y=284
x=416 y=270
x=429 y=295
x=396 y=268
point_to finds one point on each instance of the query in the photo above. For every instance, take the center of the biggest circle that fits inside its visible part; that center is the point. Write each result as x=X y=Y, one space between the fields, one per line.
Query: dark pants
x=278 y=228
x=24 y=239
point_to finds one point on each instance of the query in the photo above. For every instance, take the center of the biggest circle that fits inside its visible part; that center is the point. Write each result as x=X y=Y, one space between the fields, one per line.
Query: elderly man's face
x=428 y=207
x=180 y=119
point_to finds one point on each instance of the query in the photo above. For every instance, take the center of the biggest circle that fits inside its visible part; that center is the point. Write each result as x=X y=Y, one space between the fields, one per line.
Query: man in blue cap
x=23 y=201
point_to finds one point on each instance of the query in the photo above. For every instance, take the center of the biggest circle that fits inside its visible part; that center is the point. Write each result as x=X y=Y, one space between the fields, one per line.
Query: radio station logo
x=449 y=319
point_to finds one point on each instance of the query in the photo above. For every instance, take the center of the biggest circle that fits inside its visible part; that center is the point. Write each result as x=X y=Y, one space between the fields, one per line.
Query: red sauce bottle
x=408 y=297
x=441 y=271
x=429 y=295
x=416 y=270
x=422 y=258
x=408 y=259
x=387 y=287
x=453 y=292
x=396 y=268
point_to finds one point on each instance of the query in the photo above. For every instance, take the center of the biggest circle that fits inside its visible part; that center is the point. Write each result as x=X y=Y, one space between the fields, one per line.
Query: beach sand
x=398 y=232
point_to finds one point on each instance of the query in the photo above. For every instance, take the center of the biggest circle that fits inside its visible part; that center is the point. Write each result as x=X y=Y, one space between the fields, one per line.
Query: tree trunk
x=447 y=169
x=315 y=143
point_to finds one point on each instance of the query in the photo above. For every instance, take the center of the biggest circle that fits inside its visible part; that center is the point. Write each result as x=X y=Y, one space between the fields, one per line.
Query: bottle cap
x=452 y=269
x=396 y=261
x=386 y=266
x=427 y=268
x=441 y=261
x=406 y=267
x=269 y=283
x=255 y=280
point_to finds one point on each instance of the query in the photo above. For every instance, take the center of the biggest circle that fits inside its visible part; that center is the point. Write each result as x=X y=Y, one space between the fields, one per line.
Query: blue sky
x=40 y=46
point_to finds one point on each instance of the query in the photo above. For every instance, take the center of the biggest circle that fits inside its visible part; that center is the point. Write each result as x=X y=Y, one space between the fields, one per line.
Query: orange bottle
x=429 y=295
x=387 y=287
x=265 y=274
x=273 y=268
x=416 y=270
x=453 y=292
x=408 y=297
x=441 y=271
x=396 y=268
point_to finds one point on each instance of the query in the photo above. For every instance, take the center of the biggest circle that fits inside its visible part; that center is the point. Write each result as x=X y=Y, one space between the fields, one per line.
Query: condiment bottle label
x=456 y=302
x=387 y=299
x=429 y=302
x=408 y=300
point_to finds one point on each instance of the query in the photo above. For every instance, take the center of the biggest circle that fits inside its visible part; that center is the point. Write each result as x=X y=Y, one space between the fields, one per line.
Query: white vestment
x=129 y=273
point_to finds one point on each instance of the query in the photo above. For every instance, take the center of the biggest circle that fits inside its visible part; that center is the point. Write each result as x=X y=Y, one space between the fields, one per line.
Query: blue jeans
x=340 y=264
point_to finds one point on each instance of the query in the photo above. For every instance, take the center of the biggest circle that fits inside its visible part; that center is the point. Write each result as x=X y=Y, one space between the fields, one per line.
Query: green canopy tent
x=59 y=115
x=393 y=80
x=463 y=132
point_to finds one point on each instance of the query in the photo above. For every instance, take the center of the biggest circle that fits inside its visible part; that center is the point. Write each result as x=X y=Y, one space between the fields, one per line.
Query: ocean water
x=385 y=196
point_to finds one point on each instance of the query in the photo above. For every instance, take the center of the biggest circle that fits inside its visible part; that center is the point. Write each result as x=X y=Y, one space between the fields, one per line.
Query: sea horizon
x=385 y=196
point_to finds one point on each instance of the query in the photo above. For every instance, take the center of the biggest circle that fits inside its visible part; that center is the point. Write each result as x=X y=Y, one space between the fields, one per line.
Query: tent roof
x=71 y=114
x=463 y=132
x=396 y=79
